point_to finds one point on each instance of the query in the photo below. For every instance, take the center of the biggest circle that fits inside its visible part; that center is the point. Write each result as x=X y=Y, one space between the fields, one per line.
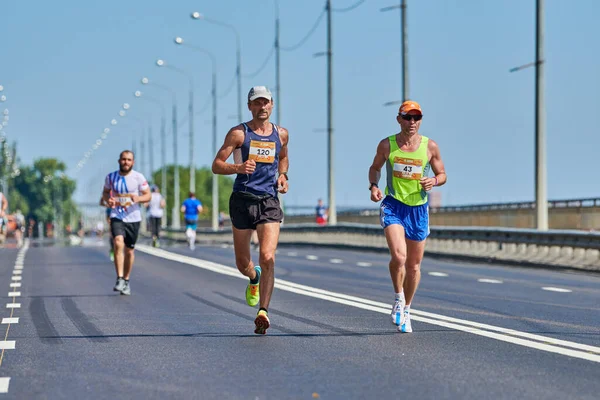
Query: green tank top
x=404 y=170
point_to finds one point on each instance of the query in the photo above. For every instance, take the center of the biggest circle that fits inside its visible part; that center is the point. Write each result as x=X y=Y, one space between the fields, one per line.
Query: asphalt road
x=480 y=331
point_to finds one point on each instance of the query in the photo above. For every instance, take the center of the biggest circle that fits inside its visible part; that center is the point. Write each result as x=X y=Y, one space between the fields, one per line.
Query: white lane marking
x=364 y=264
x=590 y=353
x=13 y=305
x=17 y=272
x=13 y=320
x=15 y=284
x=292 y=254
x=224 y=246
x=484 y=280
x=14 y=294
x=311 y=257
x=556 y=289
x=17 y=278
x=437 y=274
x=336 y=261
x=18 y=267
x=4 y=382
x=7 y=344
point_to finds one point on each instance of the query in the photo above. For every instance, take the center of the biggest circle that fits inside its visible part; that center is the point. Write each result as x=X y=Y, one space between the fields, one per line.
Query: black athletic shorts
x=129 y=231
x=248 y=210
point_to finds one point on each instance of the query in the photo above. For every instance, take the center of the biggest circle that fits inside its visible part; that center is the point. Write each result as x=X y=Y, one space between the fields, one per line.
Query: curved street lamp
x=238 y=56
x=162 y=63
x=215 y=177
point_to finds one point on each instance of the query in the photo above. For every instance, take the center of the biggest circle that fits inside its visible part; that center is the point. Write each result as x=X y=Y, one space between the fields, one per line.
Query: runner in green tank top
x=404 y=213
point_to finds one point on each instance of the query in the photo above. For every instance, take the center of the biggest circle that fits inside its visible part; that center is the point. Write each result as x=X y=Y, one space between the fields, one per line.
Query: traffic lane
x=186 y=332
x=508 y=305
x=295 y=305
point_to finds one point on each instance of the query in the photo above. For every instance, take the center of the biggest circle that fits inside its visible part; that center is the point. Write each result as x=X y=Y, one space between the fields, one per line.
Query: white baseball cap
x=259 y=91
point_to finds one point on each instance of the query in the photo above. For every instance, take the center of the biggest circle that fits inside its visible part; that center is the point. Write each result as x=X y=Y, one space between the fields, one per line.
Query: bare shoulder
x=283 y=135
x=384 y=146
x=432 y=146
x=235 y=136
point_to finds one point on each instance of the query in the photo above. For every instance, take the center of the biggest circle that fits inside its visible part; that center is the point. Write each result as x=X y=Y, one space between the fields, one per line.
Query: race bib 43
x=408 y=168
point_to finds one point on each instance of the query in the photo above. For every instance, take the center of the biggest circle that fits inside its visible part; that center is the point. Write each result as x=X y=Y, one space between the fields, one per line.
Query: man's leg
x=268 y=236
x=415 y=251
x=394 y=235
x=119 y=245
x=241 y=248
x=128 y=264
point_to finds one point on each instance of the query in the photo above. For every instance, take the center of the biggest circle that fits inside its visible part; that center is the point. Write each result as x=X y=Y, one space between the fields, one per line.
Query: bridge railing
x=527 y=247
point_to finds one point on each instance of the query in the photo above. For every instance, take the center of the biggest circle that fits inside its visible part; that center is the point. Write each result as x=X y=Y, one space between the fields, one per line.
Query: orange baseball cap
x=409 y=106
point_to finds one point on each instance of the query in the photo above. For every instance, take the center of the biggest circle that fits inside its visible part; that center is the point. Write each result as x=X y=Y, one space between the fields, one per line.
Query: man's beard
x=124 y=168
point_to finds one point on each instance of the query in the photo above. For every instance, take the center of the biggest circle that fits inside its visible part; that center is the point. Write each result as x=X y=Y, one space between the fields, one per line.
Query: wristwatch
x=285 y=174
x=373 y=184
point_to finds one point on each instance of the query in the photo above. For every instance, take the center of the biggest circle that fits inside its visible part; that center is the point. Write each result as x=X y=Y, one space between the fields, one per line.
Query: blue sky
x=68 y=66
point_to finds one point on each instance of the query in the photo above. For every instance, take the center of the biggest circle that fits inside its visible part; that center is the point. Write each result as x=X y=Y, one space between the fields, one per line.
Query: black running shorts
x=248 y=210
x=129 y=231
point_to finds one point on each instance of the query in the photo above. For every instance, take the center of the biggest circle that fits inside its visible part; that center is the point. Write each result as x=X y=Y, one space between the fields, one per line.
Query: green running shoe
x=252 y=290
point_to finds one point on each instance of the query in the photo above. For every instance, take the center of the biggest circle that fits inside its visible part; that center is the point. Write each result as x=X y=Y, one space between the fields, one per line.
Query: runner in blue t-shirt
x=190 y=208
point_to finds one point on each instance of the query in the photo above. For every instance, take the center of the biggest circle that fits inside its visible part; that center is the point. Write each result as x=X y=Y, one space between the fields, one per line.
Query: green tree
x=46 y=190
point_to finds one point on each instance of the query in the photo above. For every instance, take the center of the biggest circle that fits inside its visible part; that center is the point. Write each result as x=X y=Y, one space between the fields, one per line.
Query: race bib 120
x=263 y=152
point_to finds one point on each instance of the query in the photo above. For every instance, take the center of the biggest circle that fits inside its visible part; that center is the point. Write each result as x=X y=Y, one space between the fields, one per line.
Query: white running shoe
x=398 y=312
x=406 y=327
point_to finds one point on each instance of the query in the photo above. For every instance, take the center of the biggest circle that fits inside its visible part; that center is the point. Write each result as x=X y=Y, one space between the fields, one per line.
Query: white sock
x=400 y=296
x=407 y=307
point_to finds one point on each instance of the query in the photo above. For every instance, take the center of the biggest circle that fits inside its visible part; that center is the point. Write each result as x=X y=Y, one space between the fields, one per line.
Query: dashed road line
x=556 y=289
x=437 y=274
x=311 y=257
x=485 y=280
x=336 y=261
x=364 y=264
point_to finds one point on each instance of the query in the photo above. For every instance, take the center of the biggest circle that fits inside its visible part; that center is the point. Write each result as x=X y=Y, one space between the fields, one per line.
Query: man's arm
x=233 y=140
x=284 y=162
x=437 y=166
x=383 y=152
x=145 y=197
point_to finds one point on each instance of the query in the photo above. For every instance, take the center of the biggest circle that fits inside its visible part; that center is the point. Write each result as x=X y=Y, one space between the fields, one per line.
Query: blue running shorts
x=414 y=219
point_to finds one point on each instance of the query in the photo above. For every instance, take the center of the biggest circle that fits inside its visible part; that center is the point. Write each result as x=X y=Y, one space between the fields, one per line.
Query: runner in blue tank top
x=260 y=159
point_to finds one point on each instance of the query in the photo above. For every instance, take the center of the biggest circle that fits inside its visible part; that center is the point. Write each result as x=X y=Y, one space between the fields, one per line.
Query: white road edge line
x=506 y=335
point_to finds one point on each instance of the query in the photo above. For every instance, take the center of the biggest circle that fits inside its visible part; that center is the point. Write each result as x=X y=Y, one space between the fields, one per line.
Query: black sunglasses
x=408 y=117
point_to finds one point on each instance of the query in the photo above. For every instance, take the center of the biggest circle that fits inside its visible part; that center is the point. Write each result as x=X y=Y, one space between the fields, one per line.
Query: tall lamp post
x=163 y=151
x=403 y=45
x=238 y=54
x=541 y=190
x=162 y=63
x=215 y=177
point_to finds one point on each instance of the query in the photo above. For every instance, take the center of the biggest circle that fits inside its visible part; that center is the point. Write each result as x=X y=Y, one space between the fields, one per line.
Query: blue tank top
x=265 y=151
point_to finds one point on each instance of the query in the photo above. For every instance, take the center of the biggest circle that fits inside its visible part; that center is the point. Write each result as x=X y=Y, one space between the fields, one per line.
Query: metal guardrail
x=554 y=248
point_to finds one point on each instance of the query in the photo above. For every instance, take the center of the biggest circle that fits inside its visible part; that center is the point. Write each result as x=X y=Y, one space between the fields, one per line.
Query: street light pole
x=163 y=141
x=541 y=190
x=215 y=177
x=541 y=196
x=238 y=55
x=330 y=164
x=403 y=45
x=277 y=65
